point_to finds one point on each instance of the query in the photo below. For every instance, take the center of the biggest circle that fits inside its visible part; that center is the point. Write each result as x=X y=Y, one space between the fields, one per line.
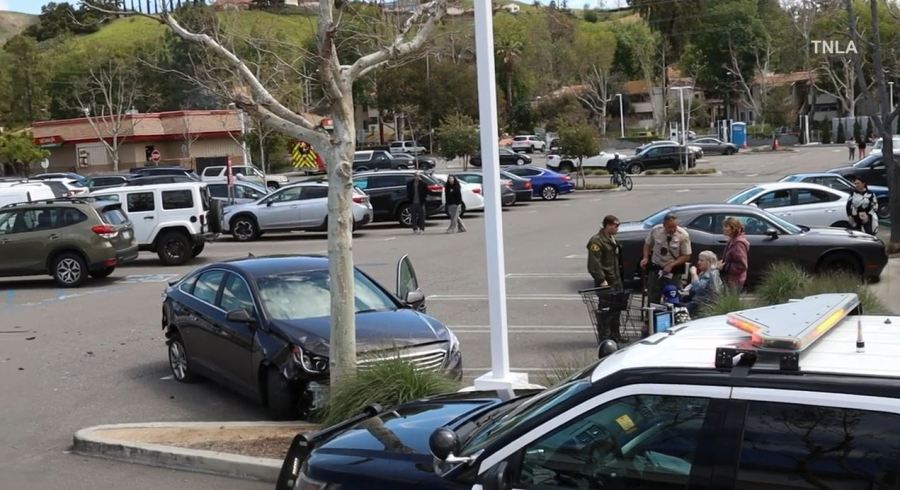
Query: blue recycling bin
x=739 y=134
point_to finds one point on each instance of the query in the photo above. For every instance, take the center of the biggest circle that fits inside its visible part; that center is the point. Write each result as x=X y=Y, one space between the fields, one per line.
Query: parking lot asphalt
x=95 y=355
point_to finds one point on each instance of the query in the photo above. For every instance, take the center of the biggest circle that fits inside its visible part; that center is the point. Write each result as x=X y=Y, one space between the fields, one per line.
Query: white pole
x=683 y=129
x=621 y=117
x=806 y=130
x=499 y=378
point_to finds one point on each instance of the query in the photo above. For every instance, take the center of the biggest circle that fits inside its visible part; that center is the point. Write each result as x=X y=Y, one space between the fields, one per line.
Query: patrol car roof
x=693 y=345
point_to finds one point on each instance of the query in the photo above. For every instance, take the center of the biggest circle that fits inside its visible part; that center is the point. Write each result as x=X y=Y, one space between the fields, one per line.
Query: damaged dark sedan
x=261 y=326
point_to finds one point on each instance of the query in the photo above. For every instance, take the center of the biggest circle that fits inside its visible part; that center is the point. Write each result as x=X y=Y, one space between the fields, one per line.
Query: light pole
x=683 y=131
x=891 y=84
x=621 y=117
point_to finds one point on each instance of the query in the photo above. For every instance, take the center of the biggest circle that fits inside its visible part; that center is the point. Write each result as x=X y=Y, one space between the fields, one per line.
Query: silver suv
x=296 y=207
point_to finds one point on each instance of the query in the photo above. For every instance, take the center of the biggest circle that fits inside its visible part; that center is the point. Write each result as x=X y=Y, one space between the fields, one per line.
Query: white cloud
x=4 y=5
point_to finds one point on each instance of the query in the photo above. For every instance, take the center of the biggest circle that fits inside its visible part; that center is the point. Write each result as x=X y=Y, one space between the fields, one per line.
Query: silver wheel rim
x=406 y=217
x=243 y=230
x=177 y=360
x=68 y=270
x=548 y=192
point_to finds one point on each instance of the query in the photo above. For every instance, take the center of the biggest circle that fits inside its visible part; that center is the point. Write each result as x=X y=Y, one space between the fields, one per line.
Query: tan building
x=188 y=138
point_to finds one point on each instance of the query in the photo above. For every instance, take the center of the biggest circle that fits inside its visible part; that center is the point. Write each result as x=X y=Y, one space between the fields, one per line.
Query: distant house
x=512 y=8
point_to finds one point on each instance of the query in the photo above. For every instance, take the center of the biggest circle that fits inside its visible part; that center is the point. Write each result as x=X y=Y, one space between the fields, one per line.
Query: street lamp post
x=683 y=130
x=621 y=117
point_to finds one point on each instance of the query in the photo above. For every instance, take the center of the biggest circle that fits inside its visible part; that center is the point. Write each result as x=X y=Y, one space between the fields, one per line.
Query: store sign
x=49 y=141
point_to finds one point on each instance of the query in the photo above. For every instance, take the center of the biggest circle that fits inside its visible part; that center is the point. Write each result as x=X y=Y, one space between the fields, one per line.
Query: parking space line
x=509 y=297
x=542 y=328
x=527 y=275
x=576 y=256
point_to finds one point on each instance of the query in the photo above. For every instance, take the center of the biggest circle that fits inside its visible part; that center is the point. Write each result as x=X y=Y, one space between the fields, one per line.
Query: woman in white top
x=862 y=208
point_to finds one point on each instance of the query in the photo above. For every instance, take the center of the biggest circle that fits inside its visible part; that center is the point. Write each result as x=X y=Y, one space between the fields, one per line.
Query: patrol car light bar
x=796 y=325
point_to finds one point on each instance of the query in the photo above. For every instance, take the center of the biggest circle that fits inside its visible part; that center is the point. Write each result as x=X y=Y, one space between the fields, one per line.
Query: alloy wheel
x=178 y=360
x=243 y=230
x=69 y=271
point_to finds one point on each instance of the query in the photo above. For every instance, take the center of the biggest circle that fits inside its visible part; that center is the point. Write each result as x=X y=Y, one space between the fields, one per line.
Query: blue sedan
x=839 y=183
x=545 y=183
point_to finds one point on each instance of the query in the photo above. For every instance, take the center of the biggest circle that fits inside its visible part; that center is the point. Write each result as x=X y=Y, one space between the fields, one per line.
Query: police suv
x=800 y=395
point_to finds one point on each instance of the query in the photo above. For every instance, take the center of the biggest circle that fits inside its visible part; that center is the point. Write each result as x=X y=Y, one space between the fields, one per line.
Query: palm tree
x=509 y=50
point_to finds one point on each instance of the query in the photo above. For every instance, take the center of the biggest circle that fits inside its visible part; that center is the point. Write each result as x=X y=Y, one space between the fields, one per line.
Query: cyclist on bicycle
x=617 y=168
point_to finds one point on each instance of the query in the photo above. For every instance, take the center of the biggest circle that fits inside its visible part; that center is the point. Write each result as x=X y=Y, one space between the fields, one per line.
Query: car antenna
x=250 y=254
x=860 y=343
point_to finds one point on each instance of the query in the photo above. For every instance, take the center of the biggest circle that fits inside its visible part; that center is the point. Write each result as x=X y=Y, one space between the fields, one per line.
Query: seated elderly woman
x=706 y=283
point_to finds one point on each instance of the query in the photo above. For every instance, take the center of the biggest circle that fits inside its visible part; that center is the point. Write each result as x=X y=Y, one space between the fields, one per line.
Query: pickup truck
x=383 y=160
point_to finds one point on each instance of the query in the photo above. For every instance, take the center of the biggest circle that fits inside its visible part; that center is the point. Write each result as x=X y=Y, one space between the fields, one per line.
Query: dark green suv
x=66 y=238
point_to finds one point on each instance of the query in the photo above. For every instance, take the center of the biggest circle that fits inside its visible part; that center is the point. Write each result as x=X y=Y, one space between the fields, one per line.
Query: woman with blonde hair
x=706 y=283
x=735 y=257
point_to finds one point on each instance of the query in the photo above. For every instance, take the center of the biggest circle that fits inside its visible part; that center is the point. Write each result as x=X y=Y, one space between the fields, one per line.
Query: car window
x=8 y=222
x=140 y=202
x=314 y=192
x=112 y=215
x=211 y=171
x=520 y=138
x=218 y=190
x=743 y=196
x=101 y=181
x=236 y=295
x=381 y=157
x=804 y=446
x=361 y=184
x=836 y=184
x=652 y=152
x=177 y=199
x=643 y=441
x=187 y=285
x=382 y=181
x=362 y=157
x=774 y=199
x=279 y=293
x=472 y=179
x=71 y=216
x=814 y=196
x=289 y=194
x=397 y=145
x=707 y=223
x=246 y=192
x=207 y=287
x=753 y=225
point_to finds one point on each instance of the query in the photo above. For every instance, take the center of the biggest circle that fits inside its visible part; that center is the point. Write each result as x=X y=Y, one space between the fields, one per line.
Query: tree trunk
x=340 y=239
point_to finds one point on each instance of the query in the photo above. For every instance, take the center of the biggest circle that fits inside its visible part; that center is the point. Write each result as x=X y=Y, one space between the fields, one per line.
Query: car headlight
x=304 y=482
x=309 y=362
x=454 y=344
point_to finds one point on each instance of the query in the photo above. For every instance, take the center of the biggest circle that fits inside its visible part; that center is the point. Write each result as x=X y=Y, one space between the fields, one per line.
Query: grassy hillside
x=12 y=23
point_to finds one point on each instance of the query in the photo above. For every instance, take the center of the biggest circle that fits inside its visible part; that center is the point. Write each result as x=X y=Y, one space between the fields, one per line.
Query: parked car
x=879 y=143
x=172 y=220
x=366 y=160
x=295 y=207
x=696 y=151
x=81 y=179
x=568 y=164
x=472 y=198
x=772 y=240
x=387 y=193
x=219 y=173
x=73 y=187
x=705 y=405
x=871 y=169
x=544 y=182
x=159 y=179
x=797 y=202
x=839 y=183
x=407 y=146
x=16 y=191
x=98 y=182
x=418 y=162
x=659 y=157
x=508 y=194
x=242 y=192
x=715 y=145
x=507 y=157
x=261 y=326
x=68 y=239
x=155 y=171
x=528 y=143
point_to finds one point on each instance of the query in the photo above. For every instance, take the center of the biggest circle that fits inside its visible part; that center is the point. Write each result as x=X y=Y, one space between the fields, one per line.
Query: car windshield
x=526 y=411
x=743 y=196
x=868 y=161
x=281 y=293
x=789 y=227
x=655 y=219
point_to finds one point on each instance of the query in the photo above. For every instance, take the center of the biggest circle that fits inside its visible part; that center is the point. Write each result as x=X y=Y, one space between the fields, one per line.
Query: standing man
x=416 y=190
x=605 y=266
x=667 y=247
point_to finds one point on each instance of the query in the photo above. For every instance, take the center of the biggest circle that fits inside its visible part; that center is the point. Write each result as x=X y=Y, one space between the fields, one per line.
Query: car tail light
x=566 y=177
x=106 y=231
x=359 y=199
x=476 y=190
x=435 y=188
x=528 y=185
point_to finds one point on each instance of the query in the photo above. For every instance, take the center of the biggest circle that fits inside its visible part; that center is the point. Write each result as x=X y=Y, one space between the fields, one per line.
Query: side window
x=654 y=152
x=188 y=285
x=140 y=202
x=812 y=196
x=245 y=192
x=70 y=216
x=710 y=223
x=207 y=286
x=211 y=171
x=800 y=446
x=109 y=197
x=8 y=222
x=878 y=164
x=643 y=441
x=362 y=184
x=177 y=199
x=236 y=295
x=218 y=190
x=382 y=181
x=290 y=194
x=752 y=225
x=774 y=199
x=314 y=192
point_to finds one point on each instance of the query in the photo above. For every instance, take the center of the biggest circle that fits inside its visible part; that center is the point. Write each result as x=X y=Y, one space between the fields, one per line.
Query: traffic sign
x=45 y=164
x=155 y=156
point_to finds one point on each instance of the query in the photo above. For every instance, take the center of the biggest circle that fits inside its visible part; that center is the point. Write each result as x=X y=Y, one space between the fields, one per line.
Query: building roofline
x=146 y=115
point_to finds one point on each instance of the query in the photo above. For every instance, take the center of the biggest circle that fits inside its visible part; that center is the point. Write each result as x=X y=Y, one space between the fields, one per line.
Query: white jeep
x=173 y=220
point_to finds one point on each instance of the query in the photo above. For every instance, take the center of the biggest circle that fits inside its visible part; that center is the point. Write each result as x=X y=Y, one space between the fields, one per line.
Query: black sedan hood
x=374 y=330
x=840 y=232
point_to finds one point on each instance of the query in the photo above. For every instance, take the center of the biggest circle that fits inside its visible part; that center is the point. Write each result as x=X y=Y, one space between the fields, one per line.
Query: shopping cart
x=604 y=301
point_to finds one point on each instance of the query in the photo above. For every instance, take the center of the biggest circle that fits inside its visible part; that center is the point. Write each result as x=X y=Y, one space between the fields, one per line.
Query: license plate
x=126 y=235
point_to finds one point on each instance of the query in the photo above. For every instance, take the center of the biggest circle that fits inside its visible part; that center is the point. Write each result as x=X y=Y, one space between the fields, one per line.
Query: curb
x=91 y=442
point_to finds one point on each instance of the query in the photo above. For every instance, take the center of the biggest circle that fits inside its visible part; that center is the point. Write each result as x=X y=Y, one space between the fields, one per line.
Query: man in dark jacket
x=416 y=192
x=605 y=266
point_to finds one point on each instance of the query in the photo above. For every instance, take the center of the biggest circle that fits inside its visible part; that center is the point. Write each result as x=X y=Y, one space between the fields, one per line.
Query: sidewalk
x=888 y=288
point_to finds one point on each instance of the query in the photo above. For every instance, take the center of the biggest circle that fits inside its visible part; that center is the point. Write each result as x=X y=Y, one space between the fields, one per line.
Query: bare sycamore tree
x=106 y=98
x=597 y=96
x=841 y=83
x=335 y=77
x=755 y=90
x=886 y=116
x=189 y=138
x=803 y=15
x=595 y=47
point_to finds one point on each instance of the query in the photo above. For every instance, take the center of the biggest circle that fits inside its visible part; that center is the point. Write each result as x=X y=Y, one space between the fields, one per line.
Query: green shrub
x=667 y=171
x=651 y=172
x=727 y=302
x=692 y=171
x=838 y=282
x=388 y=382
x=562 y=367
x=707 y=171
x=781 y=283
x=600 y=187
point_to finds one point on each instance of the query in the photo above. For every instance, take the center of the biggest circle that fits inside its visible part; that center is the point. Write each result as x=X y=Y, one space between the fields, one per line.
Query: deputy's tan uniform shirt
x=658 y=240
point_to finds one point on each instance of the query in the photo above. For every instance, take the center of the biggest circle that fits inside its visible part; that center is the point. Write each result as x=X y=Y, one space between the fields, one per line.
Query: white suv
x=219 y=173
x=408 y=146
x=173 y=220
x=528 y=143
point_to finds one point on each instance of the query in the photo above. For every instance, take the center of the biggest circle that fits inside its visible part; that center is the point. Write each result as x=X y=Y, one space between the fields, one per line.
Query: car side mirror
x=415 y=298
x=772 y=232
x=240 y=316
x=496 y=478
x=443 y=443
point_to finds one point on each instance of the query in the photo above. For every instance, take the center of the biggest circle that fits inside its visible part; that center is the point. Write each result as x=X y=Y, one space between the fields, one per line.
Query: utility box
x=739 y=134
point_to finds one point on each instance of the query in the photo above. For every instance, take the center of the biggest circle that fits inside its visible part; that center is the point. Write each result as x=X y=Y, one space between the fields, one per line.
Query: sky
x=34 y=6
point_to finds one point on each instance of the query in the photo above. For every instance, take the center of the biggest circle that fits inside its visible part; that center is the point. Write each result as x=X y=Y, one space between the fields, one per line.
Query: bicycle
x=620 y=179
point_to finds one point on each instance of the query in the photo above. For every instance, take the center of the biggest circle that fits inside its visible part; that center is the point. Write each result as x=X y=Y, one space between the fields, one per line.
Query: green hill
x=12 y=23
